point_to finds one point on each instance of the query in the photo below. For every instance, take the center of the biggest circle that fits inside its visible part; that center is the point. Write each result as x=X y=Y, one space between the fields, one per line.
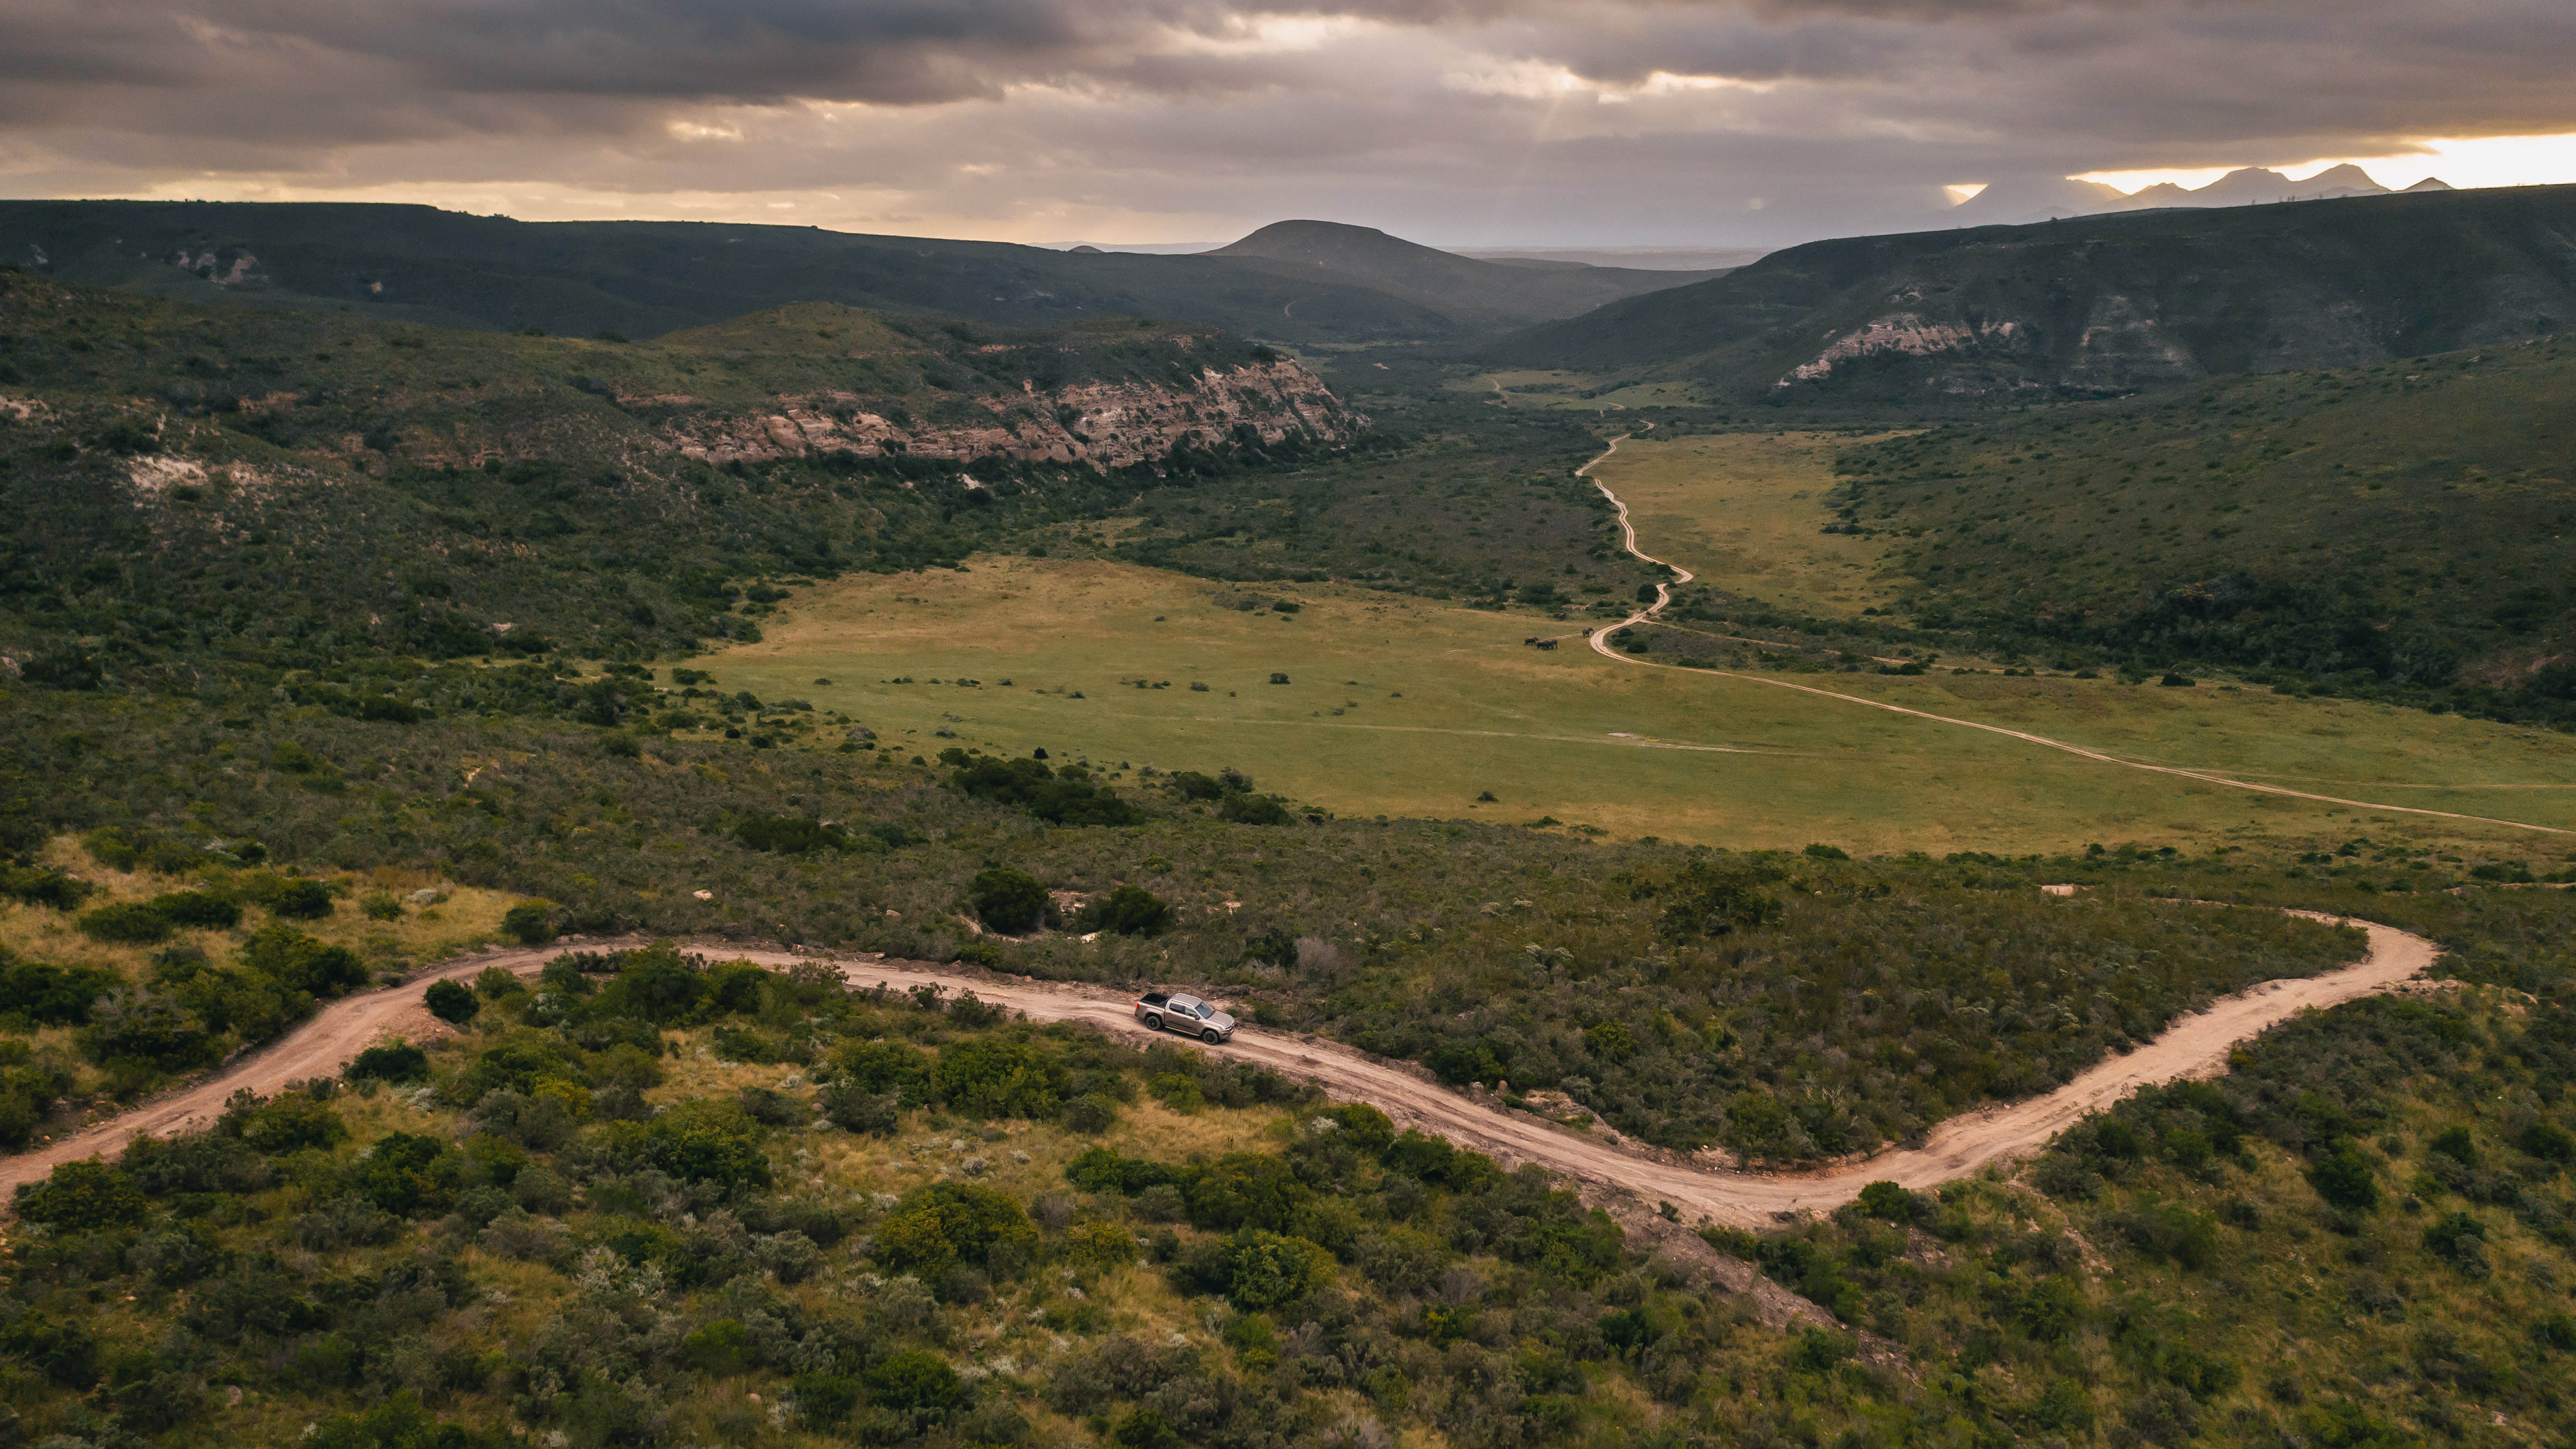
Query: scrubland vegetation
x=2391 y=532
x=1785 y=1007
x=255 y=755
x=652 y=1199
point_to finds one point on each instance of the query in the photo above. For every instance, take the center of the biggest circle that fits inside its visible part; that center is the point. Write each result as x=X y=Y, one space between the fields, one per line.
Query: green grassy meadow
x=1412 y=707
x=1745 y=513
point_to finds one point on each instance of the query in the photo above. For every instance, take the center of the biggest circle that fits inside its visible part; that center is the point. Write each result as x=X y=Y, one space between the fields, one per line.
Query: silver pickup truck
x=1188 y=1015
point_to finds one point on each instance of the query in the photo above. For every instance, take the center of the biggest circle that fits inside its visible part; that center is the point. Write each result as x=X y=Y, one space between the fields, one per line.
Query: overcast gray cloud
x=1601 y=121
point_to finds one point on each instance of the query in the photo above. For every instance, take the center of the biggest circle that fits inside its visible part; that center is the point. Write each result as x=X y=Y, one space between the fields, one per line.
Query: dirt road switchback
x=2195 y=1045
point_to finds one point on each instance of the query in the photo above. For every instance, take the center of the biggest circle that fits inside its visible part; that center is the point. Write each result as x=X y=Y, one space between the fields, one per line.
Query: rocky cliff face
x=1110 y=424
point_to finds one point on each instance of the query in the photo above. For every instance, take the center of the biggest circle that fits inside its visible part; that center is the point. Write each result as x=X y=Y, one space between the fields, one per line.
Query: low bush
x=451 y=1003
x=1129 y=910
x=951 y=1223
x=1009 y=899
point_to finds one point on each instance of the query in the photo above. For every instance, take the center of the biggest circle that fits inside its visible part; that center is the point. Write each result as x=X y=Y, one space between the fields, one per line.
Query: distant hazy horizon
x=1579 y=124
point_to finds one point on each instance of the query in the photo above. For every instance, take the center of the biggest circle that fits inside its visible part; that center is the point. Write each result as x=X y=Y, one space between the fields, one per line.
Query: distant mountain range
x=1472 y=291
x=2013 y=203
x=2094 y=306
x=1296 y=282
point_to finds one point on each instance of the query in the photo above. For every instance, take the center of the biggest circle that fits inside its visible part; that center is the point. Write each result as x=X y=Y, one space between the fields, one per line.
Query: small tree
x=451 y=1003
x=530 y=923
x=1887 y=1201
x=2343 y=1178
x=1007 y=898
x=1254 y=810
x=915 y=1380
x=1129 y=911
x=303 y=900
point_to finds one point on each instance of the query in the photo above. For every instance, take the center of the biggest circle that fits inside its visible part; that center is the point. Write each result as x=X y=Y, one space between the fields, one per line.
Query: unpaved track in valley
x=2195 y=1045
x=1664 y=595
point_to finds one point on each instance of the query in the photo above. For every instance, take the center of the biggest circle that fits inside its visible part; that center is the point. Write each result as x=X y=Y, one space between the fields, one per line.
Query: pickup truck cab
x=1161 y=1011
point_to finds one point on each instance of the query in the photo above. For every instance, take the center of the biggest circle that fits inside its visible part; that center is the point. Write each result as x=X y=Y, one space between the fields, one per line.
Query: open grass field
x=1577 y=391
x=1746 y=512
x=1406 y=706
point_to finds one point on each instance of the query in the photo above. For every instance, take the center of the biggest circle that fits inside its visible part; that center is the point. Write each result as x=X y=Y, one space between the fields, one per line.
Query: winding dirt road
x=2196 y=1045
x=1664 y=596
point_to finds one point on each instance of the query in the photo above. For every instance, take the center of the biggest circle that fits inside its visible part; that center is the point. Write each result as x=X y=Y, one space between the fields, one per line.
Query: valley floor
x=1415 y=707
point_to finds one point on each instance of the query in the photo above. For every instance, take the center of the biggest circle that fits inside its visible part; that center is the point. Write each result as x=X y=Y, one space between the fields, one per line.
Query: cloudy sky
x=1459 y=122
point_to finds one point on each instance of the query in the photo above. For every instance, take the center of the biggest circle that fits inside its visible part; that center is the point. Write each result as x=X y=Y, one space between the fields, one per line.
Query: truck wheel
x=1153 y=1023
x=1211 y=1037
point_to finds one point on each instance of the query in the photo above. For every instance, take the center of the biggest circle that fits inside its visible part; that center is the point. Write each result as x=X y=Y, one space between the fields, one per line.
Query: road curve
x=1664 y=596
x=2196 y=1045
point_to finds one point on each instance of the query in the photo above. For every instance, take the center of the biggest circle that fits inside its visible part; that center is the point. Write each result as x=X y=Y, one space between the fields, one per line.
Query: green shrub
x=1177 y=1090
x=1066 y=797
x=2549 y=1142
x=301 y=963
x=657 y=985
x=1099 y=1169
x=1253 y=810
x=393 y=1061
x=1713 y=900
x=993 y=1077
x=2457 y=1237
x=853 y=1108
x=43 y=886
x=949 y=1223
x=405 y=1173
x=1007 y=898
x=722 y=1348
x=83 y=1196
x=530 y=923
x=299 y=900
x=398 y=1423
x=287 y=1123
x=133 y=923
x=153 y=1030
x=1144 y=1427
x=790 y=835
x=1266 y=1269
x=1888 y=1202
x=450 y=1002
x=710 y=1141
x=824 y=1399
x=198 y=909
x=915 y=1380
x=1130 y=910
x=51 y=995
x=2343 y=1177
x=1099 y=1245
x=1091 y=1114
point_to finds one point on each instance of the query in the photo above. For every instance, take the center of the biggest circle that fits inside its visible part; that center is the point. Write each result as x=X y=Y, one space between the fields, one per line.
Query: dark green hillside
x=642 y=279
x=190 y=488
x=2094 y=306
x=2402 y=529
x=1484 y=293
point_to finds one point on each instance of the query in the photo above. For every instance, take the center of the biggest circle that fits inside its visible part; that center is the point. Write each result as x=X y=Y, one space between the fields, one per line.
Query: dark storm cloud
x=1808 y=115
